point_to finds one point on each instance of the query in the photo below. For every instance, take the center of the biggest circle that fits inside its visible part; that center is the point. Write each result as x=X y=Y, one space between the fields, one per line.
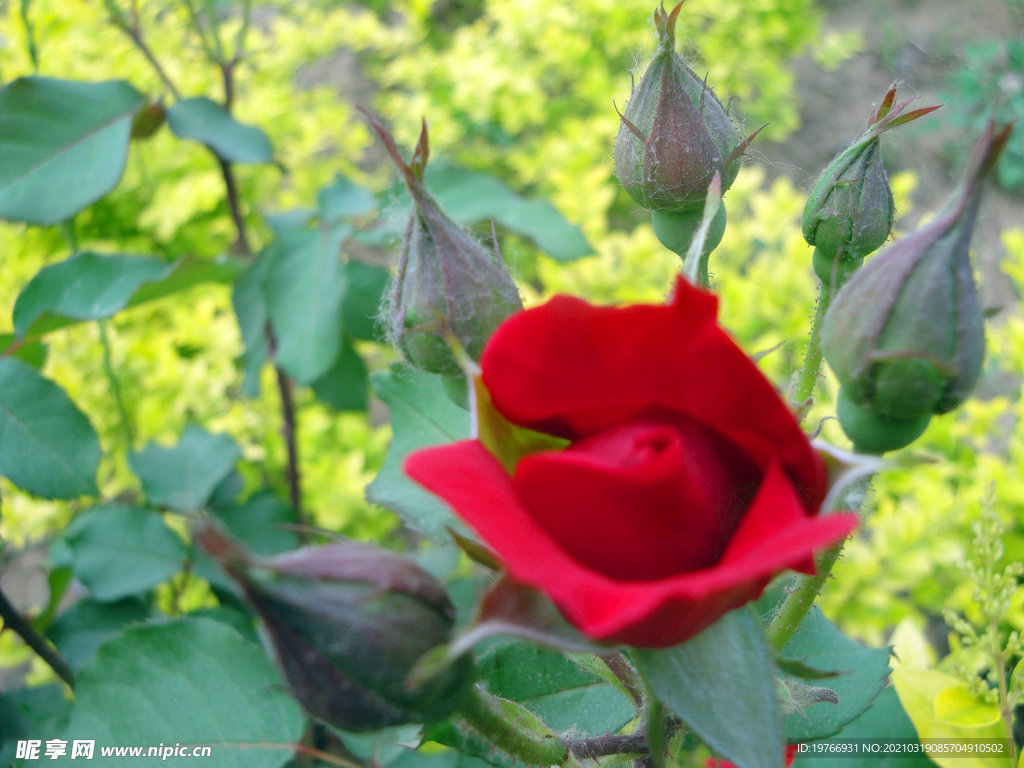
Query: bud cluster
x=905 y=336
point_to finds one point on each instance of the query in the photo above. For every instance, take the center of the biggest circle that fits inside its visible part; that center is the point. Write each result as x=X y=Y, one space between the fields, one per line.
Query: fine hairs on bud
x=447 y=280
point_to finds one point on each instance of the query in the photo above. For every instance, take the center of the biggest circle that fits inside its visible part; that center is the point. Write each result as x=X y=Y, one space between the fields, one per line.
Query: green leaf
x=258 y=522
x=884 y=720
x=470 y=197
x=383 y=747
x=819 y=644
x=33 y=353
x=188 y=273
x=421 y=415
x=343 y=199
x=87 y=286
x=183 y=478
x=122 y=551
x=251 y=311
x=304 y=289
x=86 y=625
x=206 y=121
x=47 y=446
x=722 y=684
x=63 y=145
x=31 y=713
x=344 y=385
x=364 y=294
x=554 y=688
x=193 y=681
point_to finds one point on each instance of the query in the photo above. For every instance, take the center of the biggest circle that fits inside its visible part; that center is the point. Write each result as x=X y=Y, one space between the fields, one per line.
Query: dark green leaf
x=182 y=478
x=227 y=491
x=364 y=294
x=721 y=683
x=47 y=446
x=470 y=197
x=206 y=121
x=343 y=199
x=560 y=693
x=251 y=310
x=188 y=273
x=86 y=625
x=87 y=286
x=886 y=719
x=63 y=145
x=304 y=290
x=31 y=713
x=344 y=386
x=243 y=623
x=258 y=523
x=193 y=681
x=383 y=747
x=461 y=737
x=421 y=415
x=121 y=551
x=819 y=644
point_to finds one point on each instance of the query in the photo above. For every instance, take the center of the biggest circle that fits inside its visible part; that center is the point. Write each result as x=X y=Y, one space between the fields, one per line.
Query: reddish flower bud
x=347 y=623
x=850 y=211
x=447 y=282
x=676 y=133
x=905 y=336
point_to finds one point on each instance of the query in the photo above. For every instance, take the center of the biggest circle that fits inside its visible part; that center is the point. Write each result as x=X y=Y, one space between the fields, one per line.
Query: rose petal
x=572 y=369
x=645 y=613
x=641 y=501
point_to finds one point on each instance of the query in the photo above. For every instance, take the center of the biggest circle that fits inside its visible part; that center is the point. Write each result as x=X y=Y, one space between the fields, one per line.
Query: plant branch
x=514 y=729
x=18 y=624
x=807 y=588
x=609 y=744
x=135 y=33
x=626 y=675
x=808 y=375
x=289 y=430
x=234 y=204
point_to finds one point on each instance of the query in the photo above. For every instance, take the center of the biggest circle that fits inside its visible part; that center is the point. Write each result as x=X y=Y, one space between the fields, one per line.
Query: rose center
x=641 y=501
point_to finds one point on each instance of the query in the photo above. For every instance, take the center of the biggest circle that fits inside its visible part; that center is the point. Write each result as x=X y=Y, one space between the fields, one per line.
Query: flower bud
x=905 y=336
x=676 y=133
x=447 y=282
x=347 y=622
x=850 y=211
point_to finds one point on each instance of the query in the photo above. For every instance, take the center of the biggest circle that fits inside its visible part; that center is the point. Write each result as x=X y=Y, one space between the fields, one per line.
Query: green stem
x=799 y=601
x=115 y=386
x=515 y=730
x=807 y=588
x=808 y=375
x=654 y=725
x=1004 y=706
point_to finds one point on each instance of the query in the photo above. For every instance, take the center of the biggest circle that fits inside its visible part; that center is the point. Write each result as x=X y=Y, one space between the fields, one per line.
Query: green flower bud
x=905 y=336
x=676 y=133
x=447 y=281
x=347 y=623
x=850 y=211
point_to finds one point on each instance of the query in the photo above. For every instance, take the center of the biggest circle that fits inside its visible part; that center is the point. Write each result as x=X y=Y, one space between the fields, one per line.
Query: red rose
x=714 y=762
x=687 y=484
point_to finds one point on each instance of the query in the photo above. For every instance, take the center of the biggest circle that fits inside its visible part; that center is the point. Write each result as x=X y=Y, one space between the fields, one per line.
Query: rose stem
x=17 y=623
x=799 y=601
x=507 y=725
x=654 y=726
x=808 y=375
x=626 y=675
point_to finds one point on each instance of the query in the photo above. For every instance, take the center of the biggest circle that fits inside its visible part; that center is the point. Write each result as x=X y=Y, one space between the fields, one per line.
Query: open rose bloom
x=686 y=485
